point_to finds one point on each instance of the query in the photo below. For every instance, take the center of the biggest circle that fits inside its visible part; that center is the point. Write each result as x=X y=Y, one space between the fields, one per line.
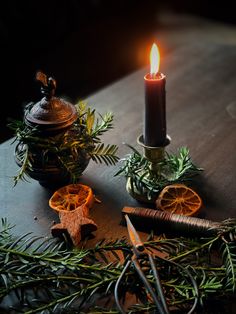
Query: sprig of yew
x=39 y=275
x=175 y=168
x=83 y=138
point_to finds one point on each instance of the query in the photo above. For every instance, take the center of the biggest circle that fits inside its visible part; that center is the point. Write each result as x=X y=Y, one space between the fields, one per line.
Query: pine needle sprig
x=25 y=164
x=105 y=123
x=46 y=276
x=175 y=168
x=70 y=150
x=181 y=165
x=106 y=154
x=229 y=259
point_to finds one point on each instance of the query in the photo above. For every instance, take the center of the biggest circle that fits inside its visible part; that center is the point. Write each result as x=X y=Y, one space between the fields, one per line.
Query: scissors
x=139 y=252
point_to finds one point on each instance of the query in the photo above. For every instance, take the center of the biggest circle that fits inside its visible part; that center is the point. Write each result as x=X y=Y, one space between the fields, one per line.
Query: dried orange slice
x=179 y=199
x=72 y=196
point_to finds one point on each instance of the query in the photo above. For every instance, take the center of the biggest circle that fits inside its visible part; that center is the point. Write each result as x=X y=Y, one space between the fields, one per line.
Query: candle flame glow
x=154 y=60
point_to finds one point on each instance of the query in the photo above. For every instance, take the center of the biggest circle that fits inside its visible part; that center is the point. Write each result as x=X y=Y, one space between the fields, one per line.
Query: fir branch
x=181 y=165
x=25 y=164
x=229 y=259
x=69 y=150
x=46 y=276
x=103 y=125
x=175 y=168
x=106 y=154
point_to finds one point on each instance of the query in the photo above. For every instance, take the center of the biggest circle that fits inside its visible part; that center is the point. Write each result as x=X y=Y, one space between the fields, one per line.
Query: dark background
x=84 y=45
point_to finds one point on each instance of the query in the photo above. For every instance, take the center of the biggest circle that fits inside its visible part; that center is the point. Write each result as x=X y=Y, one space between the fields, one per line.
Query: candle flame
x=154 y=60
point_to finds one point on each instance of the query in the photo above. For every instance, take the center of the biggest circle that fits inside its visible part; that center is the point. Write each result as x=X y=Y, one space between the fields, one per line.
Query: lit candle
x=155 y=103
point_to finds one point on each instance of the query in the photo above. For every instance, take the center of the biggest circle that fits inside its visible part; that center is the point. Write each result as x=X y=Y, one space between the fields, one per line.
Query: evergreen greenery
x=175 y=168
x=71 y=148
x=41 y=276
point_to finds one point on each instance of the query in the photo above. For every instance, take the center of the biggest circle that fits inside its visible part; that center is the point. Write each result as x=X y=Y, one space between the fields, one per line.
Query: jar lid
x=50 y=113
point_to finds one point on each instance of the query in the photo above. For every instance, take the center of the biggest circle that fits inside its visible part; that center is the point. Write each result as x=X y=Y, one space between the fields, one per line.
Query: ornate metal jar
x=46 y=147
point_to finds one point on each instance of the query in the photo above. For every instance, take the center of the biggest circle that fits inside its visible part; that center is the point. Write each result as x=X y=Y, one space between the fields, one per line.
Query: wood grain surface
x=201 y=114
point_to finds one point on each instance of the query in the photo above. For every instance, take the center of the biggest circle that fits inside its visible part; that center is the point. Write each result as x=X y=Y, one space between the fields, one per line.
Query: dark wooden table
x=201 y=114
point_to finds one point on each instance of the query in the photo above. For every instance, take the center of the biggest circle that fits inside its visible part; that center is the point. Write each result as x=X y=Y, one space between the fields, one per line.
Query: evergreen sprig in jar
x=57 y=139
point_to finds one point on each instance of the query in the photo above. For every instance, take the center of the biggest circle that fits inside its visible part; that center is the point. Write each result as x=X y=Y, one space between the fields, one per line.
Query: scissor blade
x=134 y=237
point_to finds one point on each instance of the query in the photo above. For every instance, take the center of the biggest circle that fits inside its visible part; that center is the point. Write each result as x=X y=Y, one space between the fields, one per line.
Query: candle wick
x=154 y=76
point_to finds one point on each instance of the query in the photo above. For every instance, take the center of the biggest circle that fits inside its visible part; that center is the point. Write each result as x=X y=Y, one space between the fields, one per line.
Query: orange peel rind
x=179 y=199
x=71 y=197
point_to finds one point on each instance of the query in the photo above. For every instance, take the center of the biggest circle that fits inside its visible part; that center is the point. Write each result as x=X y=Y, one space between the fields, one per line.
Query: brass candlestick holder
x=154 y=155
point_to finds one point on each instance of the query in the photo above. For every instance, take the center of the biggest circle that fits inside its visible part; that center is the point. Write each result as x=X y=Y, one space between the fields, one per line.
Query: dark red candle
x=155 y=103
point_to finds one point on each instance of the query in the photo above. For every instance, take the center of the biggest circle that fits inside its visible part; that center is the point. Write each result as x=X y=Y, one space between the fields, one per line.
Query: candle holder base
x=140 y=196
x=151 y=171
